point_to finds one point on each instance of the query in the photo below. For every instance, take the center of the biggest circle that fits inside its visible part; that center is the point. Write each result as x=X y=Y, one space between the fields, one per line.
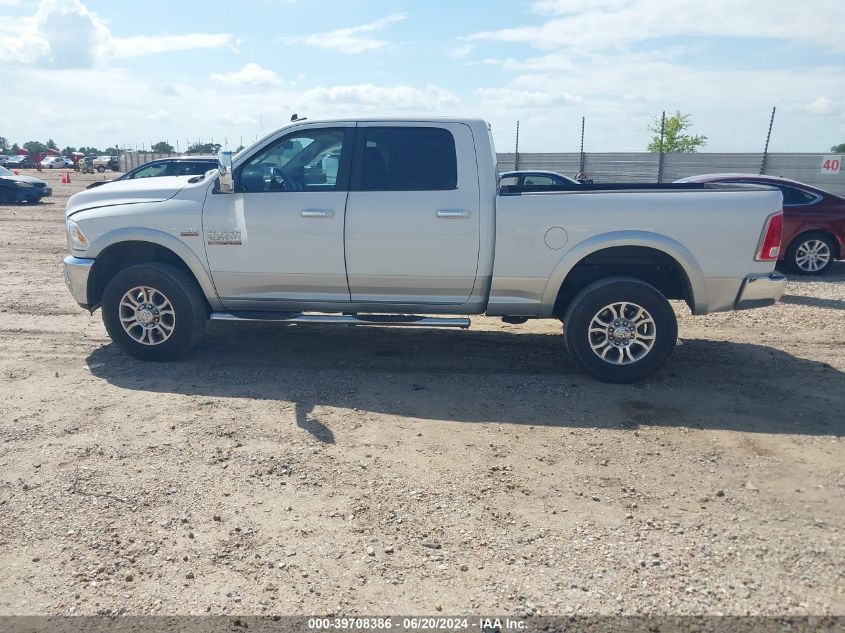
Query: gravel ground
x=315 y=469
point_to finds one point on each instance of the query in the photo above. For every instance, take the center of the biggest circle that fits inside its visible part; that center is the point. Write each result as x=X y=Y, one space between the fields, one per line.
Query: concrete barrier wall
x=643 y=167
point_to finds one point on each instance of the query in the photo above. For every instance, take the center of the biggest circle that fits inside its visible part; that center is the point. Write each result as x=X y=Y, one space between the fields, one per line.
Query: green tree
x=674 y=139
x=162 y=147
x=88 y=151
x=15 y=148
x=51 y=144
x=204 y=148
x=68 y=150
x=113 y=151
x=4 y=145
x=34 y=147
x=836 y=149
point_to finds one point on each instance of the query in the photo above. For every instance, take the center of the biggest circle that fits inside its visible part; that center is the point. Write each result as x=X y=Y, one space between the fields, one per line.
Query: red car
x=813 y=222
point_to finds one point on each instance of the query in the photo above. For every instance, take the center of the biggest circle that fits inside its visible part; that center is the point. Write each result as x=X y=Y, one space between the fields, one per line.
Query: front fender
x=658 y=242
x=154 y=236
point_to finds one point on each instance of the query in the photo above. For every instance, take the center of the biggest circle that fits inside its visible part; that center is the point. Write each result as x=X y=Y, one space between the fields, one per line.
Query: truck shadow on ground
x=489 y=376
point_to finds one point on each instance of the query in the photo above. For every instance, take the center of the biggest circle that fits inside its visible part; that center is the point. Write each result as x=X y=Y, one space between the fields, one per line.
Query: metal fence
x=646 y=167
x=131 y=160
x=638 y=166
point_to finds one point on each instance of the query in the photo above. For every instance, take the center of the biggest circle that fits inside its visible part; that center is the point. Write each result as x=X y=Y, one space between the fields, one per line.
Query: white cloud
x=462 y=51
x=573 y=6
x=386 y=98
x=511 y=98
x=352 y=40
x=140 y=45
x=822 y=105
x=66 y=34
x=252 y=74
x=616 y=24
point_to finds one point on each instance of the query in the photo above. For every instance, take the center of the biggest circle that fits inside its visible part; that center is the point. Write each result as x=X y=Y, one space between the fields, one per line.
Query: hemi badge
x=189 y=233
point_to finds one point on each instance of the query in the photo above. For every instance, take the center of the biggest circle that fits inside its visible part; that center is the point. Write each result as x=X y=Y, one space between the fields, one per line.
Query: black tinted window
x=408 y=159
x=796 y=196
x=191 y=169
x=540 y=180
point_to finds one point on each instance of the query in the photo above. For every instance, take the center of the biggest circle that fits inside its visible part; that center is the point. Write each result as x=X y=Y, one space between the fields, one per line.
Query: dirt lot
x=314 y=470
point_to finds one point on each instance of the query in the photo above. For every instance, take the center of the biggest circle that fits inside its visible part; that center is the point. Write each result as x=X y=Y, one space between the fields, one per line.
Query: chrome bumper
x=76 y=278
x=758 y=291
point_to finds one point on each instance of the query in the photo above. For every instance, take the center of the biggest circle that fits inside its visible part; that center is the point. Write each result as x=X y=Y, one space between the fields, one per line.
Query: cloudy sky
x=103 y=72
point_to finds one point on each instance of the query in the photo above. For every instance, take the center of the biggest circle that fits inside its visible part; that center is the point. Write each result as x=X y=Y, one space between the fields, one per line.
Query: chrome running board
x=394 y=320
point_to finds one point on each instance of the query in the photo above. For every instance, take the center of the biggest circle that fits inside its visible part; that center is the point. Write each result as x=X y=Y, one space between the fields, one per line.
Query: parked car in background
x=813 y=221
x=174 y=166
x=102 y=163
x=57 y=162
x=534 y=178
x=21 y=161
x=16 y=188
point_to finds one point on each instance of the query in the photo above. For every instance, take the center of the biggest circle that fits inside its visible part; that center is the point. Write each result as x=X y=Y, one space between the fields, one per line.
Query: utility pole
x=766 y=148
x=582 y=161
x=660 y=156
x=516 y=149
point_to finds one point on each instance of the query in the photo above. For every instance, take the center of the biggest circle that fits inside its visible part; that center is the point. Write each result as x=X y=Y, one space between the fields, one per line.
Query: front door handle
x=453 y=213
x=317 y=213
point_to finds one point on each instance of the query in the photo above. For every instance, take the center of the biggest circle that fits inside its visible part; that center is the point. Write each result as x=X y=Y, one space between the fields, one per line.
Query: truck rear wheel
x=620 y=329
x=154 y=311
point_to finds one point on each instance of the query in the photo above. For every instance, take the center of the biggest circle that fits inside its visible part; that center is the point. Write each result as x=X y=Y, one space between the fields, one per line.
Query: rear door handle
x=453 y=213
x=317 y=213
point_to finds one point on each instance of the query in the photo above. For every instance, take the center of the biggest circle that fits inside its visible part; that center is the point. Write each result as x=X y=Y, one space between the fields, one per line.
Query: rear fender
x=647 y=239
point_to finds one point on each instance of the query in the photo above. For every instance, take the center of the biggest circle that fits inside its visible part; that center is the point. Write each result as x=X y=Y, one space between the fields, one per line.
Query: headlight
x=25 y=185
x=76 y=238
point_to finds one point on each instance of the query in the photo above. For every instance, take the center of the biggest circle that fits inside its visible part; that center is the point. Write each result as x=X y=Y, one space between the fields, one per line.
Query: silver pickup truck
x=399 y=222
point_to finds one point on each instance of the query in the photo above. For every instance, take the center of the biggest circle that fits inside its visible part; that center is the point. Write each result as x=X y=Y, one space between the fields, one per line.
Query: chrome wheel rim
x=812 y=255
x=622 y=333
x=147 y=315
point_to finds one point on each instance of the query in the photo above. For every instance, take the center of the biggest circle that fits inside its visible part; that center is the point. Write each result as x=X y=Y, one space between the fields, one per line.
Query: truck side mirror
x=224 y=167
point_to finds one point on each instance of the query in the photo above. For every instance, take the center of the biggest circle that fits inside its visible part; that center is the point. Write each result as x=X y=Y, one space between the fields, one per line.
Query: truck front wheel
x=154 y=311
x=620 y=329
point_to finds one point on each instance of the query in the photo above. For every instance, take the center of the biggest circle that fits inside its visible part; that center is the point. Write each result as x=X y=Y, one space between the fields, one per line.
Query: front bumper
x=32 y=194
x=77 y=271
x=758 y=291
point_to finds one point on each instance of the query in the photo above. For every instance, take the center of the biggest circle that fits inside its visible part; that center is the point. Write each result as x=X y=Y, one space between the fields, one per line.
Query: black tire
x=588 y=305
x=188 y=304
x=101 y=169
x=792 y=253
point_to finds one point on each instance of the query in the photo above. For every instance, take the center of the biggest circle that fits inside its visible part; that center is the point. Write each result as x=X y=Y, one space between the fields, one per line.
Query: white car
x=58 y=162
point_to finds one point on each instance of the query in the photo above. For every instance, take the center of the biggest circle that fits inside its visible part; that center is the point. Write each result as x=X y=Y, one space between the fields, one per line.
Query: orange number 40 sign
x=831 y=164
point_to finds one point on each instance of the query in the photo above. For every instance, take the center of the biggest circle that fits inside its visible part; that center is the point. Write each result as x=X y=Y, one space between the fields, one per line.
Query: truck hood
x=127 y=192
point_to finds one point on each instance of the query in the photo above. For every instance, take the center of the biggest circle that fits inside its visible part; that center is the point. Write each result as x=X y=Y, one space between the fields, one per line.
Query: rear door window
x=407 y=159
